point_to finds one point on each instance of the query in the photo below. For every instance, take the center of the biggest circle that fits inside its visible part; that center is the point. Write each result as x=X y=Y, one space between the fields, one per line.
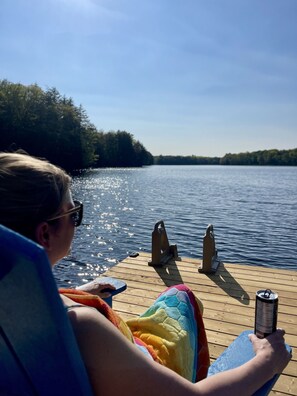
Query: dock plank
x=228 y=298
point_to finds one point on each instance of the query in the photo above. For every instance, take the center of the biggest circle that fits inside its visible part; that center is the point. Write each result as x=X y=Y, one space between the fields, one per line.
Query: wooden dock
x=228 y=297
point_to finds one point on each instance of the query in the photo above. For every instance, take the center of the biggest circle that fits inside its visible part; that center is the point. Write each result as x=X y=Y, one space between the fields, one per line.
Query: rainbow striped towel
x=171 y=331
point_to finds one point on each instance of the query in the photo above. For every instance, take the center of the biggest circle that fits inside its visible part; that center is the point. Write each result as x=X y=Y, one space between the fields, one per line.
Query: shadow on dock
x=225 y=281
x=169 y=273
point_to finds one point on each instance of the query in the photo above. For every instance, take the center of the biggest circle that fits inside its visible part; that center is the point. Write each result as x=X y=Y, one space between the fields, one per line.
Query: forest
x=185 y=160
x=46 y=124
x=263 y=157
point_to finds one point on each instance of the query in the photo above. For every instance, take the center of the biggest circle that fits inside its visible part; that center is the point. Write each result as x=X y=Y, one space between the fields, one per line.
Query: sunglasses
x=75 y=213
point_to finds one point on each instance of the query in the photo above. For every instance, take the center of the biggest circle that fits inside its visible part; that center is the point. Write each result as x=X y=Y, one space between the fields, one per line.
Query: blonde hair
x=31 y=191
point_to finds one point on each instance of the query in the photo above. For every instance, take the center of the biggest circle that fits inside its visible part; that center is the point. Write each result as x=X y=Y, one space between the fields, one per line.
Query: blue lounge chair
x=238 y=353
x=38 y=350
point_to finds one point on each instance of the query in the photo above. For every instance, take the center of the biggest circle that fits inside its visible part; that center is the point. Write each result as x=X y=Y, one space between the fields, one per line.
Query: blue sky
x=202 y=77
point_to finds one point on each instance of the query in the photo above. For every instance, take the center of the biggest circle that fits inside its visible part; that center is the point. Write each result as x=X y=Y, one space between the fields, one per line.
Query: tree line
x=264 y=157
x=46 y=124
x=185 y=160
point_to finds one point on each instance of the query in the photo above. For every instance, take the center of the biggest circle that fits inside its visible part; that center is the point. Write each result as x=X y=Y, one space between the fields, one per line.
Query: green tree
x=45 y=124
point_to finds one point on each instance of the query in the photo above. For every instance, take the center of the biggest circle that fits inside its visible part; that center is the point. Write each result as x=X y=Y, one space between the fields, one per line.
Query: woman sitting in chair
x=153 y=354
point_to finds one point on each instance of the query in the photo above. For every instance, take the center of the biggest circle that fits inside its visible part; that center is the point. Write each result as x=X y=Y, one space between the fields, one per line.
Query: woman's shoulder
x=80 y=311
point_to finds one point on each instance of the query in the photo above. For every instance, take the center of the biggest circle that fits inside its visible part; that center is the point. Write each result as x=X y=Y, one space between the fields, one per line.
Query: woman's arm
x=271 y=358
x=115 y=366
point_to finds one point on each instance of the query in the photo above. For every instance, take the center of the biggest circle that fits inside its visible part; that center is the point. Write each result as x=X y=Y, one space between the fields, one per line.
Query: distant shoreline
x=271 y=157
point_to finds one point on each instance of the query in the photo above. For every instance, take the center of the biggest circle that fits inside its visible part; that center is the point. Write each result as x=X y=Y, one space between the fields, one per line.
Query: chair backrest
x=38 y=351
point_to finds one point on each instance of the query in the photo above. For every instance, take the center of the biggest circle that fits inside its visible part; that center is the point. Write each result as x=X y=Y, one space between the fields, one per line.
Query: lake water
x=253 y=211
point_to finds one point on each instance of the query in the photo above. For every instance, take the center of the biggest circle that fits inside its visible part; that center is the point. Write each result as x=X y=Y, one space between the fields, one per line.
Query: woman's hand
x=96 y=288
x=272 y=350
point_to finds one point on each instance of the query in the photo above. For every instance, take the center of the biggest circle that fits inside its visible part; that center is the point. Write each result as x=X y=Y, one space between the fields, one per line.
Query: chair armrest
x=238 y=353
x=119 y=285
